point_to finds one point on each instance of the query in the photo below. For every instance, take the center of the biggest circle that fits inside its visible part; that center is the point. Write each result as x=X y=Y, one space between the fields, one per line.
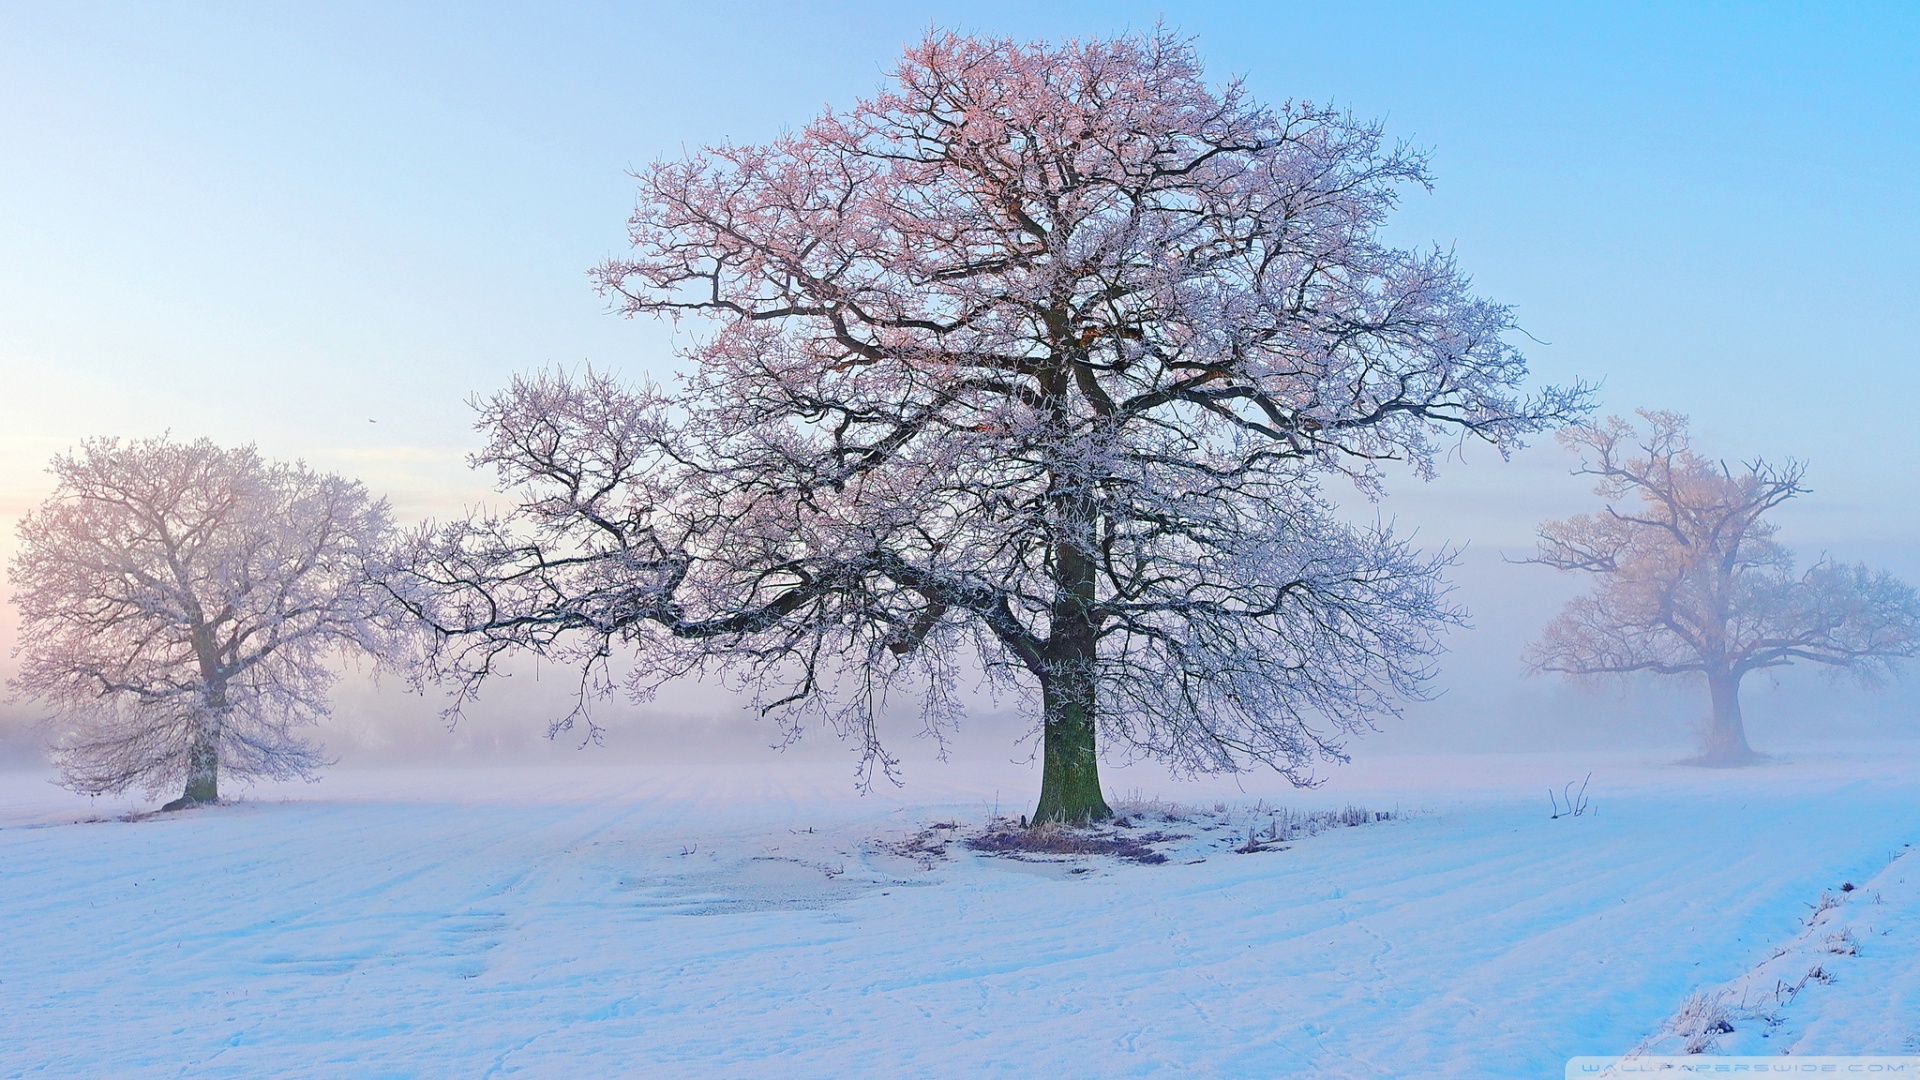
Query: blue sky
x=277 y=223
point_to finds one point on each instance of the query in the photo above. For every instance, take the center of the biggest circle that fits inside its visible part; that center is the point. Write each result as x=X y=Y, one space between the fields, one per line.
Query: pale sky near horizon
x=320 y=228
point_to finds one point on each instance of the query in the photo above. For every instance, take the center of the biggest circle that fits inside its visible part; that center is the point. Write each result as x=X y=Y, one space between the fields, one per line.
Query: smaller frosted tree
x=180 y=604
x=1691 y=581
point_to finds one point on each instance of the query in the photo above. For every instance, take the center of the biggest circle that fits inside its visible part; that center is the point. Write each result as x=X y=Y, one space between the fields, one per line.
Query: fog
x=324 y=235
x=1482 y=700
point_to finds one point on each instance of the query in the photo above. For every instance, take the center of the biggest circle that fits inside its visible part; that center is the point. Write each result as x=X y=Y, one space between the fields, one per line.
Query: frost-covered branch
x=1038 y=356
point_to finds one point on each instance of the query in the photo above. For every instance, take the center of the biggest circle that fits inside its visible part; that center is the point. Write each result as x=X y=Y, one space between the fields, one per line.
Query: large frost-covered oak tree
x=1037 y=357
x=180 y=605
x=1690 y=580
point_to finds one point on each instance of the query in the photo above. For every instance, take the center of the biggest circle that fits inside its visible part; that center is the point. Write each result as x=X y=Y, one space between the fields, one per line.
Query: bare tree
x=180 y=603
x=1038 y=356
x=1692 y=582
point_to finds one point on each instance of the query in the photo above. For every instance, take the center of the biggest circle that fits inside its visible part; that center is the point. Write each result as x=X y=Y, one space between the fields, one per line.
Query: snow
x=1847 y=979
x=684 y=921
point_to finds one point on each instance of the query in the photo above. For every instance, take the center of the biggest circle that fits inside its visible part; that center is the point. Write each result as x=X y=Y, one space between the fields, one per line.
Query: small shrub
x=1702 y=1019
x=1051 y=839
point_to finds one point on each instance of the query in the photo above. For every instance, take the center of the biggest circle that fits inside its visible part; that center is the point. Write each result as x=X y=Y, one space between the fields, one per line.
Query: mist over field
x=1485 y=701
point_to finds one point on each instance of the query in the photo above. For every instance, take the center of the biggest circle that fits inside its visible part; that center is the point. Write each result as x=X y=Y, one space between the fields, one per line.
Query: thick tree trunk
x=1724 y=741
x=203 y=770
x=1070 y=773
x=203 y=757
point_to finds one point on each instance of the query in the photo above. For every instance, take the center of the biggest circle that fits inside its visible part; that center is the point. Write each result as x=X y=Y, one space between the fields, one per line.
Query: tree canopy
x=1039 y=356
x=1690 y=580
x=180 y=604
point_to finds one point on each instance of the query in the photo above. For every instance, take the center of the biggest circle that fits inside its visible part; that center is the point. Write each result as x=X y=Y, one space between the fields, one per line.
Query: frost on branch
x=1690 y=580
x=180 y=605
x=1042 y=355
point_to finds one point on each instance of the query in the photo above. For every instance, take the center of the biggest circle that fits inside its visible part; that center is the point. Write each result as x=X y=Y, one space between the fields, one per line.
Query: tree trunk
x=1070 y=774
x=1725 y=738
x=203 y=768
x=203 y=757
x=203 y=771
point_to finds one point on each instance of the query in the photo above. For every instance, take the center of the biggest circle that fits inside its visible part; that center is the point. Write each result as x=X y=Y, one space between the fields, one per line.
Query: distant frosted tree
x=1692 y=582
x=180 y=604
x=1037 y=356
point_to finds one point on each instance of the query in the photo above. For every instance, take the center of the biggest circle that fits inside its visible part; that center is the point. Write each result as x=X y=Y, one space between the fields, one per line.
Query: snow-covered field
x=752 y=922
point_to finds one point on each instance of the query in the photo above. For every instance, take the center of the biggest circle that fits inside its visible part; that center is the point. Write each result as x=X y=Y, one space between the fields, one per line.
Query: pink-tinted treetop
x=1037 y=355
